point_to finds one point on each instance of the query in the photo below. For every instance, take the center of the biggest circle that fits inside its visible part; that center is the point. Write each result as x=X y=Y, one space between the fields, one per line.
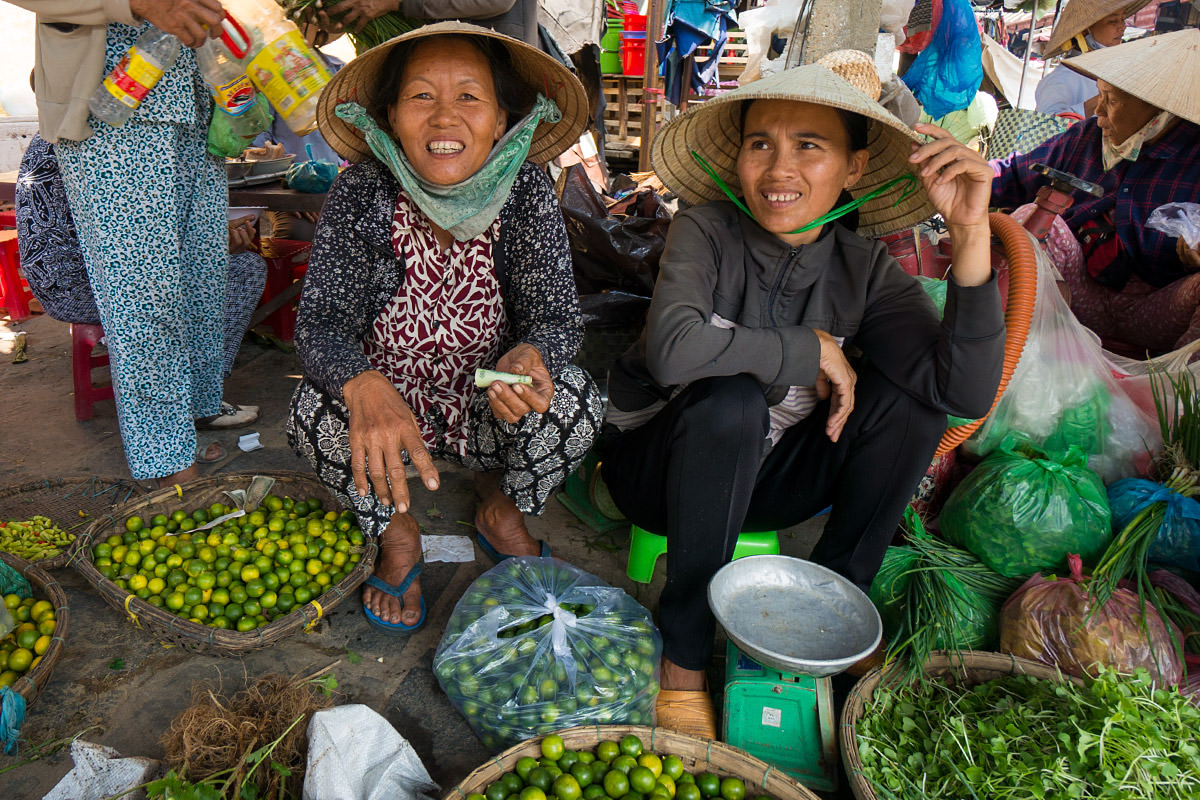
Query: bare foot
x=183 y=476
x=673 y=676
x=499 y=519
x=398 y=552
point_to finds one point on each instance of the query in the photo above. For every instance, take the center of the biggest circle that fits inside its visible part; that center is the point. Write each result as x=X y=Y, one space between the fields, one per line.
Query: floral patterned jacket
x=353 y=272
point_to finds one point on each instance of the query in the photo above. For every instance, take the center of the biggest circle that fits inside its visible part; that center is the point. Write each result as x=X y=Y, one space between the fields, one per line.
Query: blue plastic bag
x=1178 y=538
x=312 y=176
x=947 y=73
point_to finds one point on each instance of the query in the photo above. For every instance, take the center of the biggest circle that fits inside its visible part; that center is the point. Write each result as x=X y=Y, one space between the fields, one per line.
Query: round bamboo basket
x=69 y=502
x=44 y=587
x=698 y=755
x=1018 y=314
x=970 y=667
x=192 y=635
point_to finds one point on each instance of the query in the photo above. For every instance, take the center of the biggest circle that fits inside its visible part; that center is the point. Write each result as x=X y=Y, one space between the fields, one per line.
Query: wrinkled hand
x=381 y=427
x=241 y=234
x=353 y=15
x=840 y=378
x=957 y=179
x=193 y=21
x=1190 y=256
x=510 y=403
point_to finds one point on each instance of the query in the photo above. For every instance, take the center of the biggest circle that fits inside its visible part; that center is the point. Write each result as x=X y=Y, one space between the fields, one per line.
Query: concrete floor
x=118 y=686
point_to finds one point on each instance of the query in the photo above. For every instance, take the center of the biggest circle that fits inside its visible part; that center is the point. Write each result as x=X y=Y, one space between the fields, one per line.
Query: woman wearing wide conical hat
x=1131 y=284
x=745 y=405
x=1082 y=27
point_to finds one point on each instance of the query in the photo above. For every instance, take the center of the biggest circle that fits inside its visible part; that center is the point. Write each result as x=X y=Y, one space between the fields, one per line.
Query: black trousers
x=696 y=473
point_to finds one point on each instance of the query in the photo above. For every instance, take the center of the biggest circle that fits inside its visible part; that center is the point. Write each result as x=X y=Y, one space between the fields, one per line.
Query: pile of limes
x=34 y=539
x=22 y=649
x=613 y=771
x=239 y=574
x=536 y=645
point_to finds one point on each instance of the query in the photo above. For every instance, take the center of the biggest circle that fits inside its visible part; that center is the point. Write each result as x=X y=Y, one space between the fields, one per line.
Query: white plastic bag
x=355 y=754
x=101 y=772
x=1181 y=220
x=1063 y=393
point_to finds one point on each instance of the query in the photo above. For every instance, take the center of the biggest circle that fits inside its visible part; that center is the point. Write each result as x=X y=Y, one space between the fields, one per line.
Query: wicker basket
x=968 y=667
x=698 y=755
x=67 y=502
x=192 y=635
x=30 y=684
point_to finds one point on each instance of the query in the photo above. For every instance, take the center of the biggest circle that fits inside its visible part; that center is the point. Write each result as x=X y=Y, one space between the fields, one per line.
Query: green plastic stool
x=645 y=548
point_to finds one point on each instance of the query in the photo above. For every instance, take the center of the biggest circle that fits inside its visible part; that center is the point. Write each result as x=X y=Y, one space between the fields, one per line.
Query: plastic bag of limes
x=536 y=645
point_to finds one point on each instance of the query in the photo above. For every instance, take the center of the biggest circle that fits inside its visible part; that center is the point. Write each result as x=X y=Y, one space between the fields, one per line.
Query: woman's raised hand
x=957 y=179
x=381 y=427
x=510 y=403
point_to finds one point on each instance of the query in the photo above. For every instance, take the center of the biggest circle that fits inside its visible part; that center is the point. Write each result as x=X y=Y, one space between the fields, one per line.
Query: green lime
x=582 y=773
x=566 y=787
x=686 y=777
x=532 y=793
x=513 y=782
x=641 y=779
x=733 y=789
x=651 y=762
x=496 y=791
x=687 y=791
x=539 y=777
x=616 y=785
x=552 y=747
x=631 y=746
x=624 y=763
x=709 y=784
x=594 y=792
x=672 y=767
x=524 y=766
x=567 y=760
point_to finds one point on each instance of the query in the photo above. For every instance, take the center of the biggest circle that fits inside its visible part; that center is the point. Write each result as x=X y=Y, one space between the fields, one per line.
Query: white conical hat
x=1079 y=15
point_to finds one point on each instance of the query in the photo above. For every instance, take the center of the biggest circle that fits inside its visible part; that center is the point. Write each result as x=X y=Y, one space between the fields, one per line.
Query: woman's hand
x=193 y=21
x=353 y=15
x=840 y=378
x=241 y=234
x=1190 y=256
x=510 y=403
x=381 y=426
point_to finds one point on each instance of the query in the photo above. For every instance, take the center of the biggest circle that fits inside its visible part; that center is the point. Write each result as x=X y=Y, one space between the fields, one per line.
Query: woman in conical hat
x=1134 y=285
x=789 y=363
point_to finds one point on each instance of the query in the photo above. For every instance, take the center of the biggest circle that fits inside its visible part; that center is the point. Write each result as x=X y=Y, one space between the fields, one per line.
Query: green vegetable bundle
x=932 y=595
x=375 y=32
x=1020 y=737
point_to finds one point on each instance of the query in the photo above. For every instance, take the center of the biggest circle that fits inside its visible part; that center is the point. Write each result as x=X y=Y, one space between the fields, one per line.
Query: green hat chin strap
x=907 y=178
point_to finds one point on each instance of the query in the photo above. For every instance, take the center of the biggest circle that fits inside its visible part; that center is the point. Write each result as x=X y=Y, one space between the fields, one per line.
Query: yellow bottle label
x=236 y=97
x=132 y=78
x=288 y=72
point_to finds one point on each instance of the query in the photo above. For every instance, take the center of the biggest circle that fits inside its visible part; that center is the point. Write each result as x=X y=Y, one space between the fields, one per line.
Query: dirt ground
x=118 y=686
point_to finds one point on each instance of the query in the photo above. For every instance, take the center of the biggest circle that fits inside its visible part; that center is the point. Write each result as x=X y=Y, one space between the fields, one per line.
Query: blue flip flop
x=495 y=555
x=397 y=591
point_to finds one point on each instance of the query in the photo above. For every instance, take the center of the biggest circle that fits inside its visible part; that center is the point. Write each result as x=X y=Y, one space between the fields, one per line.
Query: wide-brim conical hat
x=1079 y=15
x=713 y=130
x=359 y=79
x=1162 y=70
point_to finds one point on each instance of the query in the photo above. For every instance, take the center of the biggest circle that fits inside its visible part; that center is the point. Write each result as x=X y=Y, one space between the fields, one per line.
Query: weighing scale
x=791 y=625
x=585 y=495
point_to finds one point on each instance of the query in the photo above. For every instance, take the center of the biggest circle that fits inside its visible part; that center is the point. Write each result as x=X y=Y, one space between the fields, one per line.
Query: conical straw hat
x=358 y=80
x=857 y=68
x=1162 y=70
x=1079 y=15
x=713 y=130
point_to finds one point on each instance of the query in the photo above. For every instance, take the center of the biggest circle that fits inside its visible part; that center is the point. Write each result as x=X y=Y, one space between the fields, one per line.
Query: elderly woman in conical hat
x=1083 y=27
x=441 y=251
x=788 y=363
x=1133 y=285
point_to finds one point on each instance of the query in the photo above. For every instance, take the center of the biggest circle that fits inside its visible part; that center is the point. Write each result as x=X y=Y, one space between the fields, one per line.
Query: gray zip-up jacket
x=719 y=261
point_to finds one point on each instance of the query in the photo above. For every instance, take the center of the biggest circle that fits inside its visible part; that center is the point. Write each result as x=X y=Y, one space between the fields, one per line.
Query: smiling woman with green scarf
x=440 y=252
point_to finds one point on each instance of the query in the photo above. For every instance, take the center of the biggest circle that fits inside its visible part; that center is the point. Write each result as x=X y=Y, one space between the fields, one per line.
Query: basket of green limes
x=609 y=762
x=30 y=650
x=210 y=569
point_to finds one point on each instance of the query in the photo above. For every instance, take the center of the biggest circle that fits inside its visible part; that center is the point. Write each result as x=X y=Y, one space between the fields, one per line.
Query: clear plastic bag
x=1051 y=620
x=1181 y=220
x=535 y=645
x=1063 y=393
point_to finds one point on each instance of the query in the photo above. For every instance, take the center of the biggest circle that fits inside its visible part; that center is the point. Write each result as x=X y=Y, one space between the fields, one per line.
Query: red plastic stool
x=84 y=339
x=14 y=292
x=287 y=261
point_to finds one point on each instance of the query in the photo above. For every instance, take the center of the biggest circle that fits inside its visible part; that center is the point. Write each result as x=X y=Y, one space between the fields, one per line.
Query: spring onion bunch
x=375 y=32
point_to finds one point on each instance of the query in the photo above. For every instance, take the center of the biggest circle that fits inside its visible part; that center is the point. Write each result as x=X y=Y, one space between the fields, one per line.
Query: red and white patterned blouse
x=446 y=320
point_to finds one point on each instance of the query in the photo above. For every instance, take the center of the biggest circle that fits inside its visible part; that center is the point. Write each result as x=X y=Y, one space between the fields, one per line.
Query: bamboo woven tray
x=45 y=587
x=698 y=755
x=192 y=635
x=971 y=667
x=72 y=504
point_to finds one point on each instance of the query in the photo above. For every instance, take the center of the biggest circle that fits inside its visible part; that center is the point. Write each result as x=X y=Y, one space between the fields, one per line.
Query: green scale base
x=786 y=720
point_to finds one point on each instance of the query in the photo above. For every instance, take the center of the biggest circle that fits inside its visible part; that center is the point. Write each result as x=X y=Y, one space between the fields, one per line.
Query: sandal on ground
x=202 y=448
x=230 y=416
x=495 y=555
x=397 y=591
x=688 y=712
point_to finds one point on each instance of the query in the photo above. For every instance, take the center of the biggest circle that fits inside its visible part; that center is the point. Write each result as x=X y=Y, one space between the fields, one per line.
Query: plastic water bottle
x=124 y=89
x=219 y=61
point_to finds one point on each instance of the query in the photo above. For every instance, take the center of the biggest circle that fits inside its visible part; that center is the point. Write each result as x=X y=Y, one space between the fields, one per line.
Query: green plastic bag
x=228 y=136
x=1022 y=511
x=13 y=582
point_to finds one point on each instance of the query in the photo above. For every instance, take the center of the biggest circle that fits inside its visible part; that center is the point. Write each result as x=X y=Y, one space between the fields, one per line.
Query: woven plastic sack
x=1063 y=393
x=535 y=645
x=1022 y=511
x=946 y=75
x=13 y=582
x=1178 y=538
x=1050 y=620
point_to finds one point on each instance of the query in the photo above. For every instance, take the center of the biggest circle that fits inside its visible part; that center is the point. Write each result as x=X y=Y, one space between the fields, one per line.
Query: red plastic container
x=635 y=22
x=633 y=56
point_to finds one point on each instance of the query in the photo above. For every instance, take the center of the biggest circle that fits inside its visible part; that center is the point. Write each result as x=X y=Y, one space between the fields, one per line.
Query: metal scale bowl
x=791 y=625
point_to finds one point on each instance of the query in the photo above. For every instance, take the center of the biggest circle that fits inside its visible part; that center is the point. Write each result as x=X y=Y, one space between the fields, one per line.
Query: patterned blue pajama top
x=149 y=205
